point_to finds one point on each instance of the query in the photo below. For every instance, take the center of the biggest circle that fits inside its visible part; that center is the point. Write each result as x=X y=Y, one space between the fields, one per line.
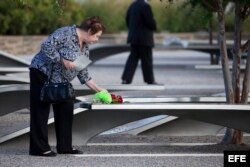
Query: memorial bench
x=16 y=96
x=9 y=70
x=97 y=118
x=216 y=67
x=8 y=60
x=7 y=80
x=104 y=50
x=101 y=51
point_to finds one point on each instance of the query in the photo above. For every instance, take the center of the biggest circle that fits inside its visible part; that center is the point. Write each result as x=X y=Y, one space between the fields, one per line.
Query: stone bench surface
x=16 y=96
x=229 y=115
x=102 y=117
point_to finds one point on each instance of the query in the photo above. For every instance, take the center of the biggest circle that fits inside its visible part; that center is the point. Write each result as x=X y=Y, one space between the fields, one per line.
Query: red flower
x=113 y=96
x=119 y=99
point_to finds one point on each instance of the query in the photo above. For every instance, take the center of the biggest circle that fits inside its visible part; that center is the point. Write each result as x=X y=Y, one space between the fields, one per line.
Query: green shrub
x=112 y=13
x=44 y=16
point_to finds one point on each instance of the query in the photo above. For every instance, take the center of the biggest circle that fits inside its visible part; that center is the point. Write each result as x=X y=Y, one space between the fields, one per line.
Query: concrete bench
x=8 y=60
x=7 y=80
x=101 y=117
x=195 y=99
x=233 y=116
x=216 y=67
x=16 y=96
x=100 y=51
x=9 y=70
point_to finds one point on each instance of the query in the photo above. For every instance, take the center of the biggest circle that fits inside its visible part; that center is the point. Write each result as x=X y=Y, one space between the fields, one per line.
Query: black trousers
x=143 y=53
x=39 y=114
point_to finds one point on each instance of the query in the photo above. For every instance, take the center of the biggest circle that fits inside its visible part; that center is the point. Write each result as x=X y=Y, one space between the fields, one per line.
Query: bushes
x=112 y=12
x=44 y=16
x=36 y=16
x=179 y=18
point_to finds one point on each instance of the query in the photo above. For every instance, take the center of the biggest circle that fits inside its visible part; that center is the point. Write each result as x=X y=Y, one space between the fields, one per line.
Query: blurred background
x=28 y=21
x=29 y=17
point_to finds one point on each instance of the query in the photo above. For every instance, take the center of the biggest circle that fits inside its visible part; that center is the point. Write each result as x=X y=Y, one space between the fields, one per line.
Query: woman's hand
x=102 y=94
x=93 y=86
x=68 y=64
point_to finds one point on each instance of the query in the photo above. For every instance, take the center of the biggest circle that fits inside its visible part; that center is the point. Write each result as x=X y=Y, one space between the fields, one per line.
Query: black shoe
x=73 y=151
x=125 y=82
x=45 y=154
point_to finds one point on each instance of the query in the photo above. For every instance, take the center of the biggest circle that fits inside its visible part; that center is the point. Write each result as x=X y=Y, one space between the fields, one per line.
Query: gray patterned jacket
x=63 y=43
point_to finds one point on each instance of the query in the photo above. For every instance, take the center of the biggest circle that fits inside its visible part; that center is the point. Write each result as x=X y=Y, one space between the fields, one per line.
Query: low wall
x=21 y=45
x=30 y=44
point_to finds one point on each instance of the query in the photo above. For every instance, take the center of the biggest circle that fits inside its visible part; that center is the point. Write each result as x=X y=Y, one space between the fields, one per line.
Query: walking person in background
x=62 y=48
x=141 y=25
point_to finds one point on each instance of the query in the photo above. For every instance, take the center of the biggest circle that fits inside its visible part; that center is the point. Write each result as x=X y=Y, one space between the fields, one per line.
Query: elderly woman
x=62 y=49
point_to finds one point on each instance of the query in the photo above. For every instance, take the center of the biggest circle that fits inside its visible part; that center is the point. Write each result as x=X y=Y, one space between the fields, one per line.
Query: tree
x=232 y=87
x=242 y=11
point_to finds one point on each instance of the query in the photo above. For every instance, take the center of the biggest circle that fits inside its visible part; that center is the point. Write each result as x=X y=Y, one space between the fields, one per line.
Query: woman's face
x=93 y=38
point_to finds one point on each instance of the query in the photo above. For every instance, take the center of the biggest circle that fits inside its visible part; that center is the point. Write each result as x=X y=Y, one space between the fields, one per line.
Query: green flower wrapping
x=103 y=96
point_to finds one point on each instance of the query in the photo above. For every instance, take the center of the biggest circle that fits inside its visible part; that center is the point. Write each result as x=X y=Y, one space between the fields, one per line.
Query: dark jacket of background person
x=141 y=24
